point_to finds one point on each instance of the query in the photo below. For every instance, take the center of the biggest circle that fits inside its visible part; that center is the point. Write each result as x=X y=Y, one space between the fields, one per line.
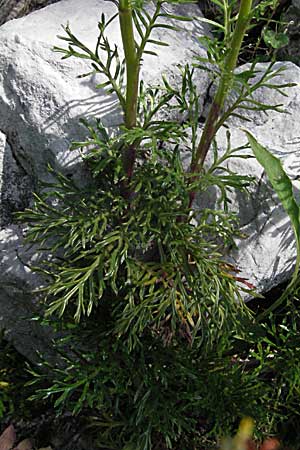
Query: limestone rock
x=18 y=303
x=41 y=100
x=17 y=280
x=11 y=9
x=267 y=256
x=15 y=184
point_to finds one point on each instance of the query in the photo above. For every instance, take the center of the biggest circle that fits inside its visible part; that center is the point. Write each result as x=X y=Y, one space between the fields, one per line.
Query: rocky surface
x=267 y=256
x=267 y=252
x=12 y=9
x=15 y=184
x=18 y=303
x=41 y=101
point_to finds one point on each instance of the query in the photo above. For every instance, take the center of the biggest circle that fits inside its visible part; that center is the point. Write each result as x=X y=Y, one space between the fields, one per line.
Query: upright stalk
x=132 y=79
x=230 y=62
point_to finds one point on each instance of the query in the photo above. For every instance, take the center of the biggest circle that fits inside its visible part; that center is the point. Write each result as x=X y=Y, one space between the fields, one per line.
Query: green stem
x=132 y=79
x=230 y=63
x=132 y=63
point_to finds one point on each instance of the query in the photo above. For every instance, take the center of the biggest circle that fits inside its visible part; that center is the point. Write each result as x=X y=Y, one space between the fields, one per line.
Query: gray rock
x=266 y=257
x=41 y=101
x=15 y=184
x=18 y=303
x=266 y=254
x=11 y=9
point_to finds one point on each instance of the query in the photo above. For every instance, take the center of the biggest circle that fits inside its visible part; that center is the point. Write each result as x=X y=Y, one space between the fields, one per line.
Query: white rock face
x=41 y=102
x=267 y=256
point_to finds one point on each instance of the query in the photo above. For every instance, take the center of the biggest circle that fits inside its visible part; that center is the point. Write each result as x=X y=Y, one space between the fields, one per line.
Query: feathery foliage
x=158 y=309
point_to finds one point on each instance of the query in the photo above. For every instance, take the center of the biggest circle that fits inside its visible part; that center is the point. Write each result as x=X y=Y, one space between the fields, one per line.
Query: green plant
x=13 y=376
x=266 y=34
x=124 y=238
x=242 y=439
x=6 y=379
x=143 y=275
x=4 y=397
x=133 y=400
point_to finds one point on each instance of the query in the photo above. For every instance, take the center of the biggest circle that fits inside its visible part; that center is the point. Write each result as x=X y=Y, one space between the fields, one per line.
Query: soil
x=45 y=430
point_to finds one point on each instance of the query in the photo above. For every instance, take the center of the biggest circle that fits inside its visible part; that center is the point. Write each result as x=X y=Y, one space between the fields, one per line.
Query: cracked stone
x=15 y=185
